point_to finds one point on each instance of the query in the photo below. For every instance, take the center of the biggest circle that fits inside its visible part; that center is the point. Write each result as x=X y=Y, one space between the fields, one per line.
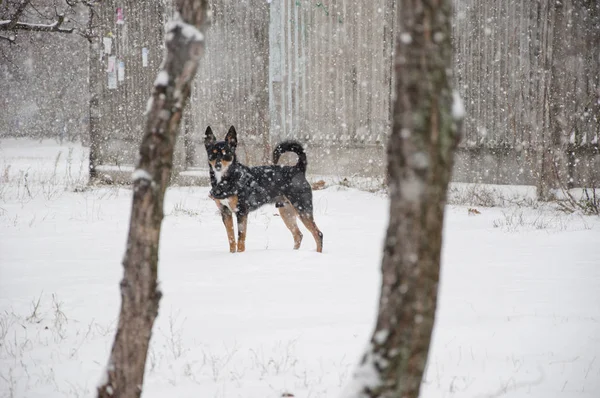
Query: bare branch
x=14 y=24
x=15 y=18
x=10 y=39
x=53 y=27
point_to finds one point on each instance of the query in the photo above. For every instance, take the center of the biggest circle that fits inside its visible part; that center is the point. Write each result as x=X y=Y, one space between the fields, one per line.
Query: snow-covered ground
x=519 y=312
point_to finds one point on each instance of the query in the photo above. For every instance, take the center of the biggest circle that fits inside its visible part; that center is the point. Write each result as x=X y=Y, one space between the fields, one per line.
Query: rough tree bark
x=425 y=132
x=139 y=291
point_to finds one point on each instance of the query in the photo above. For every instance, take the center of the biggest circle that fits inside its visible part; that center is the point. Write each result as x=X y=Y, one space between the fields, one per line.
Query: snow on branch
x=55 y=26
x=17 y=14
x=141 y=174
x=10 y=39
x=179 y=37
x=188 y=31
x=458 y=107
x=367 y=376
x=162 y=79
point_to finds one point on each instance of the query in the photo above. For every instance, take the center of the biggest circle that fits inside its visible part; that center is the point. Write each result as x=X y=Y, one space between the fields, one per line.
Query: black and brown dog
x=240 y=189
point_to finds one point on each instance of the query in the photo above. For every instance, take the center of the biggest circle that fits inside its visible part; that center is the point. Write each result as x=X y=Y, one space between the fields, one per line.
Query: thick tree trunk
x=421 y=148
x=139 y=291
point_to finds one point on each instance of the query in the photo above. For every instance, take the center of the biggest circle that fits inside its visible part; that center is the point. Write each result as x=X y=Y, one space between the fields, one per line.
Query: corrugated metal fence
x=124 y=59
x=330 y=80
x=529 y=72
x=320 y=72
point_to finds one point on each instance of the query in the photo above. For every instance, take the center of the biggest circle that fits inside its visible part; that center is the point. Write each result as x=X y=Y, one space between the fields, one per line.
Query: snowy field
x=519 y=311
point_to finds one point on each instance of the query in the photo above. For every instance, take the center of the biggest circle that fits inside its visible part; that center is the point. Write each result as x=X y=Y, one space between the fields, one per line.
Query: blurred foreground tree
x=140 y=295
x=425 y=132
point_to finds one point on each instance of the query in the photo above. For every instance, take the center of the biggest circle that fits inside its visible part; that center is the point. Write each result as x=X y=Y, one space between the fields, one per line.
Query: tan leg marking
x=233 y=203
x=288 y=215
x=242 y=222
x=309 y=223
x=228 y=221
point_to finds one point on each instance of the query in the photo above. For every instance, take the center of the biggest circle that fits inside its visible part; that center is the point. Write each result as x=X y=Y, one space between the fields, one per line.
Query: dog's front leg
x=242 y=222
x=228 y=221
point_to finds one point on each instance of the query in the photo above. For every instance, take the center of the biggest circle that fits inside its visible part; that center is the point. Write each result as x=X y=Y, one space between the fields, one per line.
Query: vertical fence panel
x=231 y=85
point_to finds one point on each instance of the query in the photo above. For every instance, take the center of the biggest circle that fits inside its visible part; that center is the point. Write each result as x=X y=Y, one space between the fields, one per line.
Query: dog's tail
x=291 y=146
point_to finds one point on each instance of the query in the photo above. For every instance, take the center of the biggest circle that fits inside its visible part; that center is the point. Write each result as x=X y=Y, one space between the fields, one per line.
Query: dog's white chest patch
x=225 y=202
x=230 y=203
x=218 y=175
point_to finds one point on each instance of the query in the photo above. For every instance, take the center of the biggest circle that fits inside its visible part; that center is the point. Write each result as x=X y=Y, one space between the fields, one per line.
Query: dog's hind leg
x=309 y=222
x=242 y=223
x=288 y=215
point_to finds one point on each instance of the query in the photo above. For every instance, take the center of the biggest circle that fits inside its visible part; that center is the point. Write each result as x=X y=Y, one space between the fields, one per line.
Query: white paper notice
x=120 y=18
x=112 y=80
x=112 y=72
x=107 y=45
x=144 y=57
x=121 y=71
x=112 y=60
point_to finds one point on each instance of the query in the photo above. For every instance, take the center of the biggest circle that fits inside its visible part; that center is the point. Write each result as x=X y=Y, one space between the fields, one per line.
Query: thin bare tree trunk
x=545 y=148
x=558 y=118
x=95 y=88
x=139 y=291
x=421 y=148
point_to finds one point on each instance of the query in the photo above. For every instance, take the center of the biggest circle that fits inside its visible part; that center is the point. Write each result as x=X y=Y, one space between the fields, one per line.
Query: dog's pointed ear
x=231 y=137
x=209 y=137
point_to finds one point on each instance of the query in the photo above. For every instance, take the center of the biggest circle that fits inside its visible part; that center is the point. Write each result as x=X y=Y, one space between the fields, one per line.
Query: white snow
x=141 y=174
x=381 y=336
x=365 y=376
x=420 y=160
x=189 y=31
x=149 y=105
x=458 y=106
x=405 y=38
x=162 y=79
x=104 y=377
x=220 y=173
x=518 y=311
x=31 y=25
